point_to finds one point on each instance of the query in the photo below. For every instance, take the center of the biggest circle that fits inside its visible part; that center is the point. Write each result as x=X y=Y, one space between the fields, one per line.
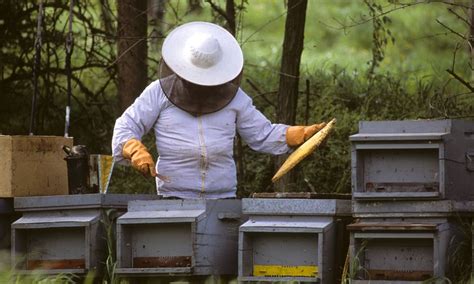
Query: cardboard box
x=33 y=165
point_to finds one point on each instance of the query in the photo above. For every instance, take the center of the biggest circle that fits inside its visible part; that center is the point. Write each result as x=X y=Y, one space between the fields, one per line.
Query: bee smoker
x=77 y=160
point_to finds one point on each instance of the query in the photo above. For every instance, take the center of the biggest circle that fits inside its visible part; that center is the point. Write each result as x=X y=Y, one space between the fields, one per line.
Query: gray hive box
x=405 y=250
x=421 y=159
x=64 y=234
x=293 y=239
x=408 y=213
x=410 y=244
x=193 y=237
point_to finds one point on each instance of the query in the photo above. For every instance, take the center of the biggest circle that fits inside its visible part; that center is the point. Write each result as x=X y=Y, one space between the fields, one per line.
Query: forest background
x=360 y=60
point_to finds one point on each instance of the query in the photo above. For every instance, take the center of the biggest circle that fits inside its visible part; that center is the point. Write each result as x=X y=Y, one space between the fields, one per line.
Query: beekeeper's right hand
x=141 y=160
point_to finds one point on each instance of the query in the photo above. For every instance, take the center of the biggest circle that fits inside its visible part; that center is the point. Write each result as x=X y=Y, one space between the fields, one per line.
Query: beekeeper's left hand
x=296 y=135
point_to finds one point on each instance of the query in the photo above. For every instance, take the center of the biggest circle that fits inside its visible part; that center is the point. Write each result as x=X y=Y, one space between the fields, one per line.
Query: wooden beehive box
x=65 y=234
x=405 y=250
x=33 y=165
x=413 y=159
x=293 y=239
x=190 y=237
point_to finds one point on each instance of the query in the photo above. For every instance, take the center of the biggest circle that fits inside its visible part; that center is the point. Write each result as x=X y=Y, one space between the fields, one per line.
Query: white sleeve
x=137 y=119
x=257 y=131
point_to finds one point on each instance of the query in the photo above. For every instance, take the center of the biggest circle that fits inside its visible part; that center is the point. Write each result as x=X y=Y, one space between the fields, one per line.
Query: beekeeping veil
x=201 y=67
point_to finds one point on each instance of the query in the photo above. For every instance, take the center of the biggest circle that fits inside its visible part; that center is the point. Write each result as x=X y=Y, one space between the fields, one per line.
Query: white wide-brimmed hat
x=203 y=53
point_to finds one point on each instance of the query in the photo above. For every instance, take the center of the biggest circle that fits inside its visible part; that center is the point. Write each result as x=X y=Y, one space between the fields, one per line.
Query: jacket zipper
x=203 y=156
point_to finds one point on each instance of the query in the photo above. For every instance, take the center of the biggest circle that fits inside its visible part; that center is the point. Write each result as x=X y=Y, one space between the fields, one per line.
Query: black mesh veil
x=196 y=99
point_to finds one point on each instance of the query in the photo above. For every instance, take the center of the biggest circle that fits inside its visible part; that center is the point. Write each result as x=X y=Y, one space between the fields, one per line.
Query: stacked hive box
x=33 y=165
x=194 y=238
x=65 y=234
x=293 y=239
x=29 y=166
x=410 y=181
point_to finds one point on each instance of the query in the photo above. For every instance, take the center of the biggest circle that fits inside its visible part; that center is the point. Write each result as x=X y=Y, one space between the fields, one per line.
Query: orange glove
x=138 y=154
x=296 y=135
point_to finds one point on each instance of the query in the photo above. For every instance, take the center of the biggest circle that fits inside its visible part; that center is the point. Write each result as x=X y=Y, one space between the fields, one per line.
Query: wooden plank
x=391 y=227
x=375 y=274
x=162 y=261
x=402 y=186
x=48 y=264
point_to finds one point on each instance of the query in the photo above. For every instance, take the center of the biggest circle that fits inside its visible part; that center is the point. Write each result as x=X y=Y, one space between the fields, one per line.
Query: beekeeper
x=195 y=110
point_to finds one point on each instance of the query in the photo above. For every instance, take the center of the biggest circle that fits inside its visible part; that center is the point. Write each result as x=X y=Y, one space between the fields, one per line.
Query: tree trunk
x=238 y=147
x=156 y=14
x=230 y=12
x=471 y=40
x=132 y=50
x=289 y=78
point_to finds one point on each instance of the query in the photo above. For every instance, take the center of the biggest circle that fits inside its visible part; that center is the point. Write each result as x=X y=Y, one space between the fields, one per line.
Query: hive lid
x=77 y=201
x=162 y=216
x=409 y=126
x=301 y=195
x=397 y=136
x=412 y=129
x=288 y=207
x=288 y=225
x=57 y=219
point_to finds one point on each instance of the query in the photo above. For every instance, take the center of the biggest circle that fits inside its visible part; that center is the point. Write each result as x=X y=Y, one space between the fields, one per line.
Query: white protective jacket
x=196 y=153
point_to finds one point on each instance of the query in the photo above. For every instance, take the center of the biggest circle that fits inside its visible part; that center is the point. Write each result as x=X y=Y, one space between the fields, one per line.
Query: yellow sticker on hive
x=280 y=270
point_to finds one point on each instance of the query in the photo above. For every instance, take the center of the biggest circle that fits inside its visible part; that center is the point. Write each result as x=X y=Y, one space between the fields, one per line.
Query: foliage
x=351 y=97
x=459 y=252
x=93 y=97
x=380 y=35
x=340 y=38
x=7 y=275
x=355 y=267
x=111 y=261
x=407 y=80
